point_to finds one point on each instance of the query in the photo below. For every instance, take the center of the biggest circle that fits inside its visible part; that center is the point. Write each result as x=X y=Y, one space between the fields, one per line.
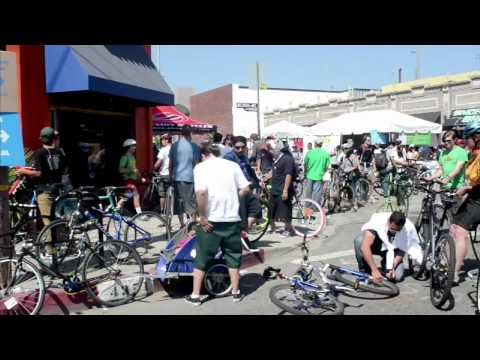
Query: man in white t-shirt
x=218 y=185
x=162 y=164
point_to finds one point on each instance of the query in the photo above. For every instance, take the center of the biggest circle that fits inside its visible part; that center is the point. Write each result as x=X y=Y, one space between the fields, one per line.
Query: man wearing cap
x=130 y=174
x=49 y=165
x=162 y=164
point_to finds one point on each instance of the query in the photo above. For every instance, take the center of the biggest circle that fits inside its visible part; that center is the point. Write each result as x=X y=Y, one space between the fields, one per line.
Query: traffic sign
x=11 y=140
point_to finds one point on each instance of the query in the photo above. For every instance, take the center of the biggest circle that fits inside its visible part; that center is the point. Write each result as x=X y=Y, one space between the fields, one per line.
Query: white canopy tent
x=383 y=121
x=286 y=129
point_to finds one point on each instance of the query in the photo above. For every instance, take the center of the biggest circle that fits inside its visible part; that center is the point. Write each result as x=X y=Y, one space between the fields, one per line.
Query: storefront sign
x=8 y=83
x=11 y=140
x=466 y=115
x=419 y=139
x=247 y=106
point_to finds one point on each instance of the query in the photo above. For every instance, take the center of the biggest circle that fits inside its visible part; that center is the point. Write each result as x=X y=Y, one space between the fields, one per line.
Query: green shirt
x=129 y=162
x=317 y=161
x=448 y=161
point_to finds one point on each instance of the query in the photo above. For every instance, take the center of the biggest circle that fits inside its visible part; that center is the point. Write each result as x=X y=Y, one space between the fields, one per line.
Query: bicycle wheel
x=298 y=186
x=443 y=270
x=418 y=269
x=346 y=196
x=22 y=290
x=331 y=197
x=259 y=229
x=300 y=302
x=378 y=188
x=146 y=232
x=368 y=285
x=477 y=312
x=362 y=188
x=150 y=198
x=217 y=280
x=308 y=218
x=59 y=245
x=112 y=273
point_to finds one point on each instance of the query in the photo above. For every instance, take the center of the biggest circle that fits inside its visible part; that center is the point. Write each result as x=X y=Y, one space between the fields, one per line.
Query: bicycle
x=437 y=245
x=401 y=187
x=112 y=274
x=304 y=295
x=139 y=231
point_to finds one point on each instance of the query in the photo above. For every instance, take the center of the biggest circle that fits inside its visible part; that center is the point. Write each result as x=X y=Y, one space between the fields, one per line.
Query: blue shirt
x=183 y=159
x=242 y=161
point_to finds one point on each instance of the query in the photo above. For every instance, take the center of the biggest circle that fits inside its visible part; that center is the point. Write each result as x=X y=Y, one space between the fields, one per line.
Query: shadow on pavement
x=249 y=283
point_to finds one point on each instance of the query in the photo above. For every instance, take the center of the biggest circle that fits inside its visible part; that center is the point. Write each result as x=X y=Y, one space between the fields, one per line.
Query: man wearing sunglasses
x=390 y=235
x=452 y=163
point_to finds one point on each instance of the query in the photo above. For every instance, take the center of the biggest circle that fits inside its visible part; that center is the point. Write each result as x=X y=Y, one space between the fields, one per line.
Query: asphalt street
x=334 y=246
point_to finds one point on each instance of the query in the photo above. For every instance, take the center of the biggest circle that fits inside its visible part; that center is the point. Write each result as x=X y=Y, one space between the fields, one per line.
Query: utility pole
x=258 y=101
x=417 y=67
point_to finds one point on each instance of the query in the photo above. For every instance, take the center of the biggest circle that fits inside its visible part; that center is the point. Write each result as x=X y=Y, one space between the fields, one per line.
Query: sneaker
x=238 y=297
x=287 y=234
x=194 y=301
x=355 y=208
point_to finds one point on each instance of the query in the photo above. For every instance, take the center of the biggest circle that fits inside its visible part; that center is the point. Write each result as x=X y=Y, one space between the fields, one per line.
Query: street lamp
x=417 y=70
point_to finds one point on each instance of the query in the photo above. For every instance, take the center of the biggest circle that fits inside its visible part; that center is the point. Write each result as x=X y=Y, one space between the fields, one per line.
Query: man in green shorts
x=220 y=223
x=452 y=163
x=316 y=164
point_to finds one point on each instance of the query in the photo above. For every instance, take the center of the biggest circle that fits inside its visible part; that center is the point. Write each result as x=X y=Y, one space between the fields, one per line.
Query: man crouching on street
x=389 y=235
x=217 y=184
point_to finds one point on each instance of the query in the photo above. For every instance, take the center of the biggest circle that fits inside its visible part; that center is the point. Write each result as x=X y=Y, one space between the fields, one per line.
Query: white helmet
x=129 y=142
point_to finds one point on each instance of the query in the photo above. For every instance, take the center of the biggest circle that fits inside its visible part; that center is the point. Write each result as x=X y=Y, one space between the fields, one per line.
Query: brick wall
x=214 y=107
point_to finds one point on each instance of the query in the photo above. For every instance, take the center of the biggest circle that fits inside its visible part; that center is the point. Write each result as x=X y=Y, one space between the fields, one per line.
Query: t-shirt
x=222 y=201
x=317 y=161
x=365 y=156
x=266 y=160
x=163 y=155
x=242 y=161
x=51 y=163
x=285 y=165
x=449 y=161
x=184 y=161
x=129 y=162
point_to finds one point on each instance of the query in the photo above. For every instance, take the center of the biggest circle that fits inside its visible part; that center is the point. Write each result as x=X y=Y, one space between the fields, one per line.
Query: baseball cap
x=47 y=134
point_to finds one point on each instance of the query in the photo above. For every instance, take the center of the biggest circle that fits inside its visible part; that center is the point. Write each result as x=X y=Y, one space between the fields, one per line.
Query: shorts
x=162 y=186
x=184 y=198
x=468 y=215
x=281 y=210
x=226 y=236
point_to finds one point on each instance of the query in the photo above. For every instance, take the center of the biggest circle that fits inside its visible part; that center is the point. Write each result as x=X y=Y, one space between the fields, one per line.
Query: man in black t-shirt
x=49 y=165
x=282 y=191
x=365 y=153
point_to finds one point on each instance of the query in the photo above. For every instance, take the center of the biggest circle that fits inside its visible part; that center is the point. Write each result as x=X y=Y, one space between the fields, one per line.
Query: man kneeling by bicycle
x=389 y=235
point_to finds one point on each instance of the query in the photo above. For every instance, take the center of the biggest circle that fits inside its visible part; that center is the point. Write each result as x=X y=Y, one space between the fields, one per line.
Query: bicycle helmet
x=471 y=129
x=129 y=142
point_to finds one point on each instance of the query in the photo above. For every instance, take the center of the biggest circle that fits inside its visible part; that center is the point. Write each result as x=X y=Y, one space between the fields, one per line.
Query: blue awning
x=121 y=70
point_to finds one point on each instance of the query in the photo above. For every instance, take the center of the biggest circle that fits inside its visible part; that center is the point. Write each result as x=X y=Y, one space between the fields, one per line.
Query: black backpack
x=381 y=161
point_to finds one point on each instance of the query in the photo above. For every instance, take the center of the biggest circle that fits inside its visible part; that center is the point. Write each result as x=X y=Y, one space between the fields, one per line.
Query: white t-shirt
x=163 y=155
x=221 y=179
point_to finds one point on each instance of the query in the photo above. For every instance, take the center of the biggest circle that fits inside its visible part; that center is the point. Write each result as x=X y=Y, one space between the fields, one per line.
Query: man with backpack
x=384 y=169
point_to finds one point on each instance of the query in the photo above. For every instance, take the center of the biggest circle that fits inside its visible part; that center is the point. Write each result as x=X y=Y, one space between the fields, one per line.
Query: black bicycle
x=437 y=245
x=111 y=273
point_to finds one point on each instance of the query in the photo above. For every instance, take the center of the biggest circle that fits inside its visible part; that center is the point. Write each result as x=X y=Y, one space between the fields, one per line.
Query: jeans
x=386 y=184
x=314 y=190
x=376 y=250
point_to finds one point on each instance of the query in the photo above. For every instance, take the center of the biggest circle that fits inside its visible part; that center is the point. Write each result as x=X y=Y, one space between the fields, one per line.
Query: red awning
x=168 y=118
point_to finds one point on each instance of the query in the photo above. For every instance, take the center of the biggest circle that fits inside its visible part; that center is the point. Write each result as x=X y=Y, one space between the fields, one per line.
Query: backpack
x=381 y=161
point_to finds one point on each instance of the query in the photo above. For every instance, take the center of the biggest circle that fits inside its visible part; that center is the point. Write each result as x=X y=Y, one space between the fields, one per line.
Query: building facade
x=433 y=99
x=233 y=108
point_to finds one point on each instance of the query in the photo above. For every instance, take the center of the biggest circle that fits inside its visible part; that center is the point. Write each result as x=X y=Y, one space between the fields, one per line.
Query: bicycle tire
x=307 y=212
x=331 y=198
x=330 y=305
x=217 y=281
x=156 y=235
x=346 y=194
x=442 y=279
x=298 y=186
x=383 y=288
x=477 y=312
x=120 y=254
x=148 y=202
x=378 y=188
x=261 y=229
x=31 y=279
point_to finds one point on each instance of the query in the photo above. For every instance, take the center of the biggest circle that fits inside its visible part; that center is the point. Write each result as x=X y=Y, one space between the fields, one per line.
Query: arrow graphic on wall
x=4 y=136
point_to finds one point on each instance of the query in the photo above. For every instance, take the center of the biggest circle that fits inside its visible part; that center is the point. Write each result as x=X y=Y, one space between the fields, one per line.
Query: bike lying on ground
x=304 y=295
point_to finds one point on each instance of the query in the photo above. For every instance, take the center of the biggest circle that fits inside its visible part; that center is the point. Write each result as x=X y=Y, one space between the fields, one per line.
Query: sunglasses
x=239 y=147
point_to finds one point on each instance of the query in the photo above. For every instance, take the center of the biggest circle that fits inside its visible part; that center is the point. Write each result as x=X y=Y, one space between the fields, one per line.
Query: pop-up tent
x=168 y=118
x=285 y=129
x=383 y=121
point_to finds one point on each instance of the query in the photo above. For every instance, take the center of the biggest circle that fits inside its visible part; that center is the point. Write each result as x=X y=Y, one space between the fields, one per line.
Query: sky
x=317 y=67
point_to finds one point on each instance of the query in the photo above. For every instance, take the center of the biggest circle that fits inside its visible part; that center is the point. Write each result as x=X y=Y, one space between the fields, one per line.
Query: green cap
x=47 y=134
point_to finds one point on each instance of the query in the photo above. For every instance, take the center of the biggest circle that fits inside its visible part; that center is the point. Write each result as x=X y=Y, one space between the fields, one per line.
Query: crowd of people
x=214 y=185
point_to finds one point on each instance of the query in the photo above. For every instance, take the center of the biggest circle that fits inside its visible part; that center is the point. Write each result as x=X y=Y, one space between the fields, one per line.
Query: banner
x=8 y=83
x=419 y=139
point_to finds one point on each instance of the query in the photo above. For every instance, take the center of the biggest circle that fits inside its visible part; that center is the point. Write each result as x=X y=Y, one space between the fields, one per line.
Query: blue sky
x=206 y=67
